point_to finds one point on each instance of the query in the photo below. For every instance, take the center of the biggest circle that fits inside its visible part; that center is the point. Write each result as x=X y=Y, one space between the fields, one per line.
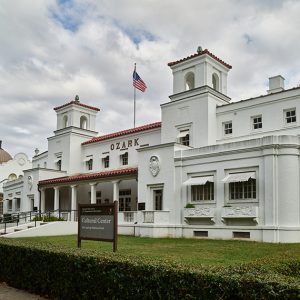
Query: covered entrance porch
x=60 y=196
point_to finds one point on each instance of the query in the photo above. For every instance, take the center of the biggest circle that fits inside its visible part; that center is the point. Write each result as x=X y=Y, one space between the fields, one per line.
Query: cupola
x=76 y=114
x=200 y=69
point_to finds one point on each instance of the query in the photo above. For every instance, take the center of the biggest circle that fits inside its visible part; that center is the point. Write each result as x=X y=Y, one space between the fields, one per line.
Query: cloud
x=52 y=50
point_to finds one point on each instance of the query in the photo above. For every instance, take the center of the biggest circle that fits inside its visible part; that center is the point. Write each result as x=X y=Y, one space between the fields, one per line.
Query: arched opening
x=66 y=121
x=12 y=176
x=83 y=122
x=215 y=82
x=189 y=81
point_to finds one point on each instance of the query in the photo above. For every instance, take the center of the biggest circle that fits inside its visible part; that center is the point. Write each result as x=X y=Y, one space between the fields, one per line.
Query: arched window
x=189 y=81
x=66 y=121
x=12 y=176
x=83 y=122
x=215 y=82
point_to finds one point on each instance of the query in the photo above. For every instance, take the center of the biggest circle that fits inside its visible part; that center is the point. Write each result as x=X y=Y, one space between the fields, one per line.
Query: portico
x=63 y=194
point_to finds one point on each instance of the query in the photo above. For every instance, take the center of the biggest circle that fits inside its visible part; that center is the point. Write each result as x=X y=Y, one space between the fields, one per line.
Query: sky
x=52 y=50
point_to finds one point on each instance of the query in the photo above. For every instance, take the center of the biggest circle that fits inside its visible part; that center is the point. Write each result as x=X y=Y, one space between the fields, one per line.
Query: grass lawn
x=190 y=252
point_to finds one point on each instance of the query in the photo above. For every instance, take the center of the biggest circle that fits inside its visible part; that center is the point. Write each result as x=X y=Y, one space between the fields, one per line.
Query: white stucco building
x=235 y=165
x=11 y=169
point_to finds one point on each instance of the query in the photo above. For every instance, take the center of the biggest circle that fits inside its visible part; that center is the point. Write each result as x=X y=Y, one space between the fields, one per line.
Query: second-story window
x=290 y=116
x=227 y=128
x=124 y=159
x=89 y=164
x=256 y=122
x=59 y=165
x=184 y=137
x=106 y=162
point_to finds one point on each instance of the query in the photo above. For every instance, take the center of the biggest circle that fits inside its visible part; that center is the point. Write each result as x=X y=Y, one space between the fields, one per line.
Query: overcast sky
x=51 y=51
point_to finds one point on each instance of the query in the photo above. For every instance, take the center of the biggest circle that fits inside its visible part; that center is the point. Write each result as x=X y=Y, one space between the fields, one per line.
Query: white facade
x=210 y=168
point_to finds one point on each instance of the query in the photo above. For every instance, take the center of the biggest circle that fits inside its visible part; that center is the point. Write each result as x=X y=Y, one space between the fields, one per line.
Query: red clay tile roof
x=123 y=132
x=90 y=176
x=170 y=64
x=77 y=103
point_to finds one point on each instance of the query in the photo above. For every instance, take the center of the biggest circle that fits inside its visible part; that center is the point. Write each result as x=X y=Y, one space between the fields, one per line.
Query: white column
x=56 y=198
x=43 y=197
x=116 y=190
x=13 y=208
x=93 y=192
x=73 y=201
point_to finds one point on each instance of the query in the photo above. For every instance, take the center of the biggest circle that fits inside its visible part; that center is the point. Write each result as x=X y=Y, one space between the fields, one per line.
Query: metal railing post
x=5 y=227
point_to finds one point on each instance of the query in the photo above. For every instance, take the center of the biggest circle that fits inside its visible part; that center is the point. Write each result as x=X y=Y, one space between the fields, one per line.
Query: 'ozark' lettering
x=125 y=144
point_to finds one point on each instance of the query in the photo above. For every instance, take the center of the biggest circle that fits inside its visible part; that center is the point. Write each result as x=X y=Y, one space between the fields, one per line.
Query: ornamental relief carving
x=240 y=211
x=154 y=165
x=198 y=212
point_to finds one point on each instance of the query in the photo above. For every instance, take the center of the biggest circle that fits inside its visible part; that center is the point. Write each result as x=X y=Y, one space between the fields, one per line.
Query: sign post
x=98 y=222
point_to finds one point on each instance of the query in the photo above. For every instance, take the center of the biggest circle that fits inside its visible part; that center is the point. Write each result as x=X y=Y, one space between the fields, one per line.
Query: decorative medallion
x=154 y=165
x=21 y=161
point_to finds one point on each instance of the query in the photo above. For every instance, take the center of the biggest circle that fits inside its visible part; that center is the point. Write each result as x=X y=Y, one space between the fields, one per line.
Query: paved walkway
x=10 y=293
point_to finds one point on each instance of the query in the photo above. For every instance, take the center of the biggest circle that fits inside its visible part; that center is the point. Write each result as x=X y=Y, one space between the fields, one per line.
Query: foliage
x=190 y=205
x=47 y=218
x=70 y=273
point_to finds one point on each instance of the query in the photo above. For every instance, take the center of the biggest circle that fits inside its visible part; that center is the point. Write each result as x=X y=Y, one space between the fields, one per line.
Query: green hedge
x=81 y=274
x=46 y=218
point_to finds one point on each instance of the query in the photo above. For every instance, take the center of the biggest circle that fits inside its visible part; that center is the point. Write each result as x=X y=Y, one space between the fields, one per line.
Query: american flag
x=138 y=83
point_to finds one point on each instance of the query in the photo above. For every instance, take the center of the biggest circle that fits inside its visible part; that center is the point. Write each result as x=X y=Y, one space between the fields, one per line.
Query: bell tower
x=76 y=123
x=199 y=86
x=200 y=69
x=76 y=114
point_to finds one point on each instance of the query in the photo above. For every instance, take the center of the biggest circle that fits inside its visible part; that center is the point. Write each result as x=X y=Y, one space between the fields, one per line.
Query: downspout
x=40 y=200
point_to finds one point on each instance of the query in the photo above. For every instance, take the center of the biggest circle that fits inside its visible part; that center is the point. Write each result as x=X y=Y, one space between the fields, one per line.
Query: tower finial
x=199 y=49
x=77 y=99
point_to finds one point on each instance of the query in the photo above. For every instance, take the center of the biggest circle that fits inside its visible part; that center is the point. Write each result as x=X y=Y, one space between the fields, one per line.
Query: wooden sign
x=98 y=222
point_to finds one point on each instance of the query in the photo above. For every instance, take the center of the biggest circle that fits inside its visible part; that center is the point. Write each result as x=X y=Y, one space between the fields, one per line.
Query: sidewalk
x=10 y=293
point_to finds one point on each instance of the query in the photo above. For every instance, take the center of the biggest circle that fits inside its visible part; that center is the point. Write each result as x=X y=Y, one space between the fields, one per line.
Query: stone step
x=43 y=223
x=18 y=229
x=30 y=226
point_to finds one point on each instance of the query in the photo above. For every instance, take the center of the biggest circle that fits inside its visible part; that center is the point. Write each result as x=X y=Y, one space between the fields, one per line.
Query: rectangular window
x=106 y=162
x=98 y=197
x=89 y=164
x=227 y=128
x=203 y=192
x=125 y=200
x=9 y=204
x=242 y=190
x=18 y=204
x=124 y=159
x=256 y=122
x=290 y=116
x=184 y=137
x=58 y=165
x=158 y=199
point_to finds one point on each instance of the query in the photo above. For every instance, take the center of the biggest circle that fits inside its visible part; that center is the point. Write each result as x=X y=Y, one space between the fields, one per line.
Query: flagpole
x=134 y=99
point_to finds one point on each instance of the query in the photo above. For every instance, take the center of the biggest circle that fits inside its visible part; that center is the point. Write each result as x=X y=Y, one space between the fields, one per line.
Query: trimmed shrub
x=82 y=274
x=47 y=218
